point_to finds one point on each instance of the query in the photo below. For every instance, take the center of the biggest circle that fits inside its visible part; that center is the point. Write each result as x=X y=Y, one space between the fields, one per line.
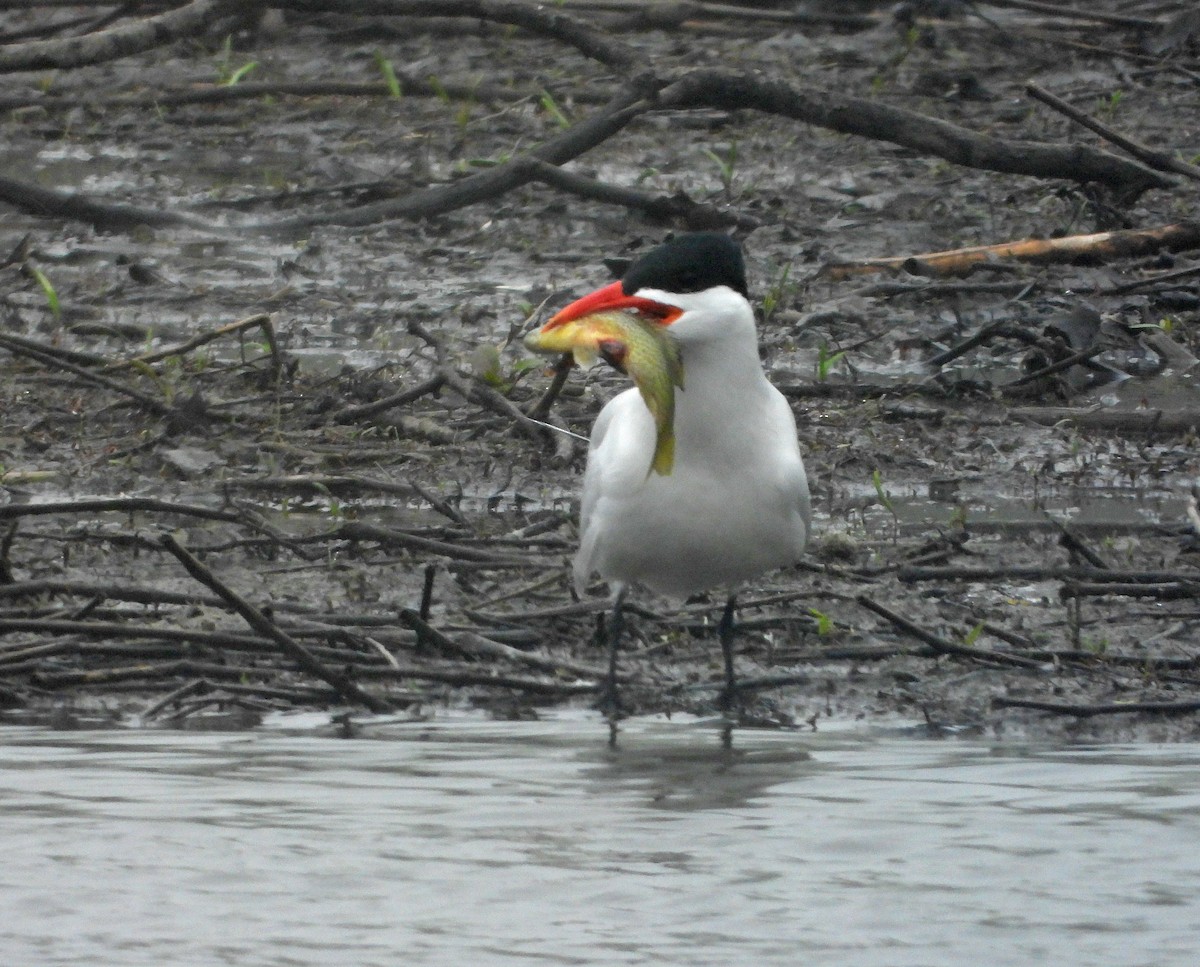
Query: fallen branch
x=361 y=531
x=927 y=135
x=941 y=645
x=536 y=18
x=1088 y=711
x=186 y=667
x=98 y=505
x=103 y=216
x=1120 y=421
x=261 y=320
x=697 y=89
x=1097 y=247
x=21 y=348
x=1159 y=160
x=249 y=90
x=264 y=626
x=127 y=631
x=197 y=686
x=672 y=13
x=982 y=335
x=485 y=185
x=1159 y=279
x=1021 y=385
x=677 y=208
x=14 y=343
x=1037 y=572
x=1173 y=591
x=1070 y=13
x=364 y=411
x=116 y=42
x=475 y=645
x=740 y=91
x=145 y=671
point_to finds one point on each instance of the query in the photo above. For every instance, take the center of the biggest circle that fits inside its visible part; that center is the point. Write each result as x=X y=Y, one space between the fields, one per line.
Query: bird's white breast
x=735 y=506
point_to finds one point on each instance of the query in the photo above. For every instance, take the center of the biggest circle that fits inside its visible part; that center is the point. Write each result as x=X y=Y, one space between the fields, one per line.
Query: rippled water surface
x=480 y=843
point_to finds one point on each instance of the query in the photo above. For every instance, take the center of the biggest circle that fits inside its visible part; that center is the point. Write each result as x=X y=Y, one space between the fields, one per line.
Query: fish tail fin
x=664 y=455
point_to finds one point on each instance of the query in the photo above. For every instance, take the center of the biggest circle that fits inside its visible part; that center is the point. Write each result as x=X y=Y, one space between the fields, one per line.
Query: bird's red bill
x=613 y=298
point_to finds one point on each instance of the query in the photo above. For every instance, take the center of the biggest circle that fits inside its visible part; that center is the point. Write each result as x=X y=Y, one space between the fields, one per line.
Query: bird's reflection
x=681 y=771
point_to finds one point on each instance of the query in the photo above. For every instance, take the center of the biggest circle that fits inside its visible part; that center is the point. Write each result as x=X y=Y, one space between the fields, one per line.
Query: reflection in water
x=475 y=842
x=692 y=771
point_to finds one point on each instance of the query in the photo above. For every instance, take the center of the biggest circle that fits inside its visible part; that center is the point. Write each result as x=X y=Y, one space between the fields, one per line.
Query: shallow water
x=474 y=842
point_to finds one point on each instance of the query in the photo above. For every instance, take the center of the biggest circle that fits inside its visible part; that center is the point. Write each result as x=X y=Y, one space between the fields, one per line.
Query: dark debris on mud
x=320 y=397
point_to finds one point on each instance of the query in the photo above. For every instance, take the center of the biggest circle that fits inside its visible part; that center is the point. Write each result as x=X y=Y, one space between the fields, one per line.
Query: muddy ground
x=993 y=553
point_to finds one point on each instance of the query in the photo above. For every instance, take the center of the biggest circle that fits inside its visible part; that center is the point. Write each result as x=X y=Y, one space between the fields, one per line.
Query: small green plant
x=726 y=167
x=439 y=89
x=165 y=386
x=907 y=46
x=884 y=497
x=972 y=636
x=485 y=361
x=336 y=510
x=464 y=165
x=389 y=75
x=550 y=106
x=779 y=294
x=47 y=289
x=1109 y=105
x=827 y=360
x=227 y=74
x=824 y=622
x=241 y=72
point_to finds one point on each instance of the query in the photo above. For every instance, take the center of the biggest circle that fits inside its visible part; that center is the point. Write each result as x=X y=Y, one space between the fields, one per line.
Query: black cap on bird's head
x=684 y=264
x=689 y=263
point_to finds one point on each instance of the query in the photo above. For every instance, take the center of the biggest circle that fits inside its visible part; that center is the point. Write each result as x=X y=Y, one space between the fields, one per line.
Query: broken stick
x=347 y=689
x=1096 y=247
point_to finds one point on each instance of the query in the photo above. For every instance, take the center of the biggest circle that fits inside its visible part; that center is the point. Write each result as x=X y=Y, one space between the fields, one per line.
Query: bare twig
x=55 y=362
x=261 y=320
x=264 y=626
x=1159 y=160
x=97 y=505
x=1089 y=711
x=120 y=41
x=1072 y=13
x=932 y=136
x=941 y=644
x=362 y=531
x=536 y=18
x=1121 y=421
x=364 y=411
x=1075 y=359
x=667 y=208
x=1097 y=246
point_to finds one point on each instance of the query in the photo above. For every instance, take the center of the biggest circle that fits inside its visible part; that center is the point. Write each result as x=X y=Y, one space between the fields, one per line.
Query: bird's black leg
x=728 y=699
x=609 y=703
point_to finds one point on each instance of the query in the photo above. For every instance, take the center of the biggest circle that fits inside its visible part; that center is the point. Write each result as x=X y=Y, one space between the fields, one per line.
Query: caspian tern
x=735 y=503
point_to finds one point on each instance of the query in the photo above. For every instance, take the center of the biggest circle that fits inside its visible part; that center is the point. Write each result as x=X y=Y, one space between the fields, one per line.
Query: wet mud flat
x=268 y=438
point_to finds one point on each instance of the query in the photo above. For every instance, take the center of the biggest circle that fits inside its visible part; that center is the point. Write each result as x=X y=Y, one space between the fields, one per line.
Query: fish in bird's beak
x=631 y=335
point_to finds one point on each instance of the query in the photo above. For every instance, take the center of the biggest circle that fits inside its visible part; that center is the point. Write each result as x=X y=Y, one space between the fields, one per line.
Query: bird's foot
x=609 y=704
x=729 y=704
